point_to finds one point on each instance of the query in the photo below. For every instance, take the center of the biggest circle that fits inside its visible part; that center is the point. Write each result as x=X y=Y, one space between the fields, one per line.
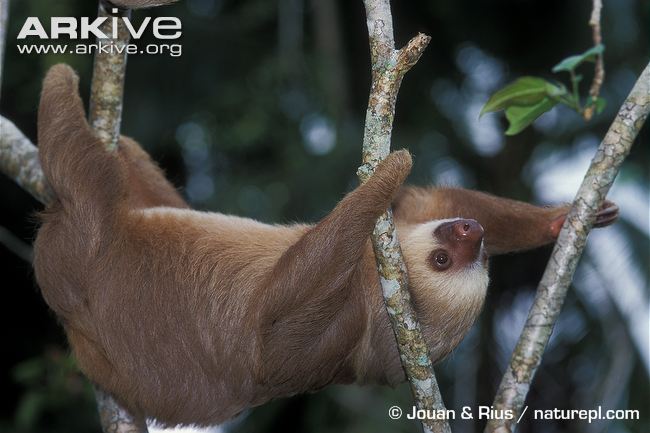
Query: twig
x=571 y=242
x=388 y=69
x=114 y=418
x=599 y=68
x=107 y=89
x=19 y=161
x=16 y=245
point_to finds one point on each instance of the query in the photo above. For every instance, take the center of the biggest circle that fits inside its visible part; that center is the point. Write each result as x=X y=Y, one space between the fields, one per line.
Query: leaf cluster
x=527 y=98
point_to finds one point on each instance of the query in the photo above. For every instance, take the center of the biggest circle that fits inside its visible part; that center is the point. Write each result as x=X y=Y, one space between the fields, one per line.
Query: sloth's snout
x=463 y=230
x=467 y=230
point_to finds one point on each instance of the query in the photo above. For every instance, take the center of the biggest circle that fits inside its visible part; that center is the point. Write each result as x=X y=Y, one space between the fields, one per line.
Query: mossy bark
x=388 y=68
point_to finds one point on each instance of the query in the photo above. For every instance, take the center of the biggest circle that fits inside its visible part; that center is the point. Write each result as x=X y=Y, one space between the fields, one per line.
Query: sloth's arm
x=307 y=321
x=509 y=225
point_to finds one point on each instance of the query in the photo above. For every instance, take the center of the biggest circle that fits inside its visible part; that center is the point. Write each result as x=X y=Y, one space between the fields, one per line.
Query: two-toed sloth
x=191 y=317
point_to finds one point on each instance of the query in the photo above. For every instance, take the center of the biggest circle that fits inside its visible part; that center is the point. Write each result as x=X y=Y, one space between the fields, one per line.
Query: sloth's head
x=448 y=278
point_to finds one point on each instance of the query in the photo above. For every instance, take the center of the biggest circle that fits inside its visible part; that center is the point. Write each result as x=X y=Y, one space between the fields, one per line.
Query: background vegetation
x=262 y=116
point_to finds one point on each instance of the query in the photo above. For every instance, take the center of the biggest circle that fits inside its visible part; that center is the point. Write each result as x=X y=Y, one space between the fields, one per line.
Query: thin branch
x=16 y=245
x=599 y=68
x=19 y=161
x=141 y=4
x=388 y=69
x=107 y=89
x=114 y=418
x=569 y=247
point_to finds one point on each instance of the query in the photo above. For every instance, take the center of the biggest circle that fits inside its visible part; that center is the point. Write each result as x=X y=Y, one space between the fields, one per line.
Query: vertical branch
x=114 y=418
x=105 y=116
x=569 y=247
x=599 y=68
x=388 y=69
x=107 y=87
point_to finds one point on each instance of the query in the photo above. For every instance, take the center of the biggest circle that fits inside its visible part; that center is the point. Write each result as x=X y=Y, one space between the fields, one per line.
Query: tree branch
x=19 y=161
x=114 y=418
x=599 y=68
x=388 y=69
x=107 y=88
x=569 y=247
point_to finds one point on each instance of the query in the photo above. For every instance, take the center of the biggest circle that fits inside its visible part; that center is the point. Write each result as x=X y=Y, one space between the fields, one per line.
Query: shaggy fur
x=191 y=317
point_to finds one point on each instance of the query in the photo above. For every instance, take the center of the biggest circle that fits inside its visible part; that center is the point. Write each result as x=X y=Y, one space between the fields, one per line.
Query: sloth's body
x=191 y=317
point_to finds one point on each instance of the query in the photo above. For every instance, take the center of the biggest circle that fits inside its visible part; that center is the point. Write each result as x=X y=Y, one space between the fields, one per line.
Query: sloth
x=191 y=317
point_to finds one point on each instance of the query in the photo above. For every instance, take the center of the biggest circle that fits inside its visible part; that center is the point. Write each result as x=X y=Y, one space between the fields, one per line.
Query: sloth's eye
x=440 y=260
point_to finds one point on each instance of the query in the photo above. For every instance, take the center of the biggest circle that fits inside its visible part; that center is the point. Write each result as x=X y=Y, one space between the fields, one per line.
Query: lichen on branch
x=19 y=161
x=388 y=68
x=107 y=88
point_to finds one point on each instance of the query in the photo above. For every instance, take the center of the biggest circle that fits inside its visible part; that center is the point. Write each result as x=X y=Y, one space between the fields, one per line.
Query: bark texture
x=19 y=161
x=113 y=417
x=388 y=68
x=599 y=68
x=107 y=89
x=557 y=277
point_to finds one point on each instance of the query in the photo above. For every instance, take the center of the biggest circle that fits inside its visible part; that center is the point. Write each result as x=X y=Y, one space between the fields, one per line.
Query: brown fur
x=191 y=317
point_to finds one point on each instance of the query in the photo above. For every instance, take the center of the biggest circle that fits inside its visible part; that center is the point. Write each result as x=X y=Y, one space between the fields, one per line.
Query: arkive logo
x=165 y=28
x=35 y=38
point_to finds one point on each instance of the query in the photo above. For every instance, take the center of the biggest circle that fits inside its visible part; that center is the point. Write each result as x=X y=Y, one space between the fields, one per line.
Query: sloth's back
x=160 y=315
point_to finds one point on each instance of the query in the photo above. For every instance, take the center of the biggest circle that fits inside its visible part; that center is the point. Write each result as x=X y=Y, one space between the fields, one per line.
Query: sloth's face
x=447 y=257
x=448 y=278
x=460 y=245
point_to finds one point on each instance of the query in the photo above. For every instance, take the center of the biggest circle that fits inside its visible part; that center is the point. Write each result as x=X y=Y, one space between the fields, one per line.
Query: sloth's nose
x=462 y=238
x=467 y=230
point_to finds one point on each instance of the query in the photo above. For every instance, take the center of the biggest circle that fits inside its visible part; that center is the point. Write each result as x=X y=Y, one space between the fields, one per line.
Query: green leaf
x=524 y=91
x=572 y=62
x=520 y=117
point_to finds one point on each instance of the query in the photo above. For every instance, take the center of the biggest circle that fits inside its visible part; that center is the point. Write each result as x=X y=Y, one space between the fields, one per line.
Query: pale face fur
x=448 y=301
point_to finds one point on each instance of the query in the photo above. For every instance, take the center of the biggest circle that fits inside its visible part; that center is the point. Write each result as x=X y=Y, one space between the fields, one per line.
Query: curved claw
x=607 y=214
